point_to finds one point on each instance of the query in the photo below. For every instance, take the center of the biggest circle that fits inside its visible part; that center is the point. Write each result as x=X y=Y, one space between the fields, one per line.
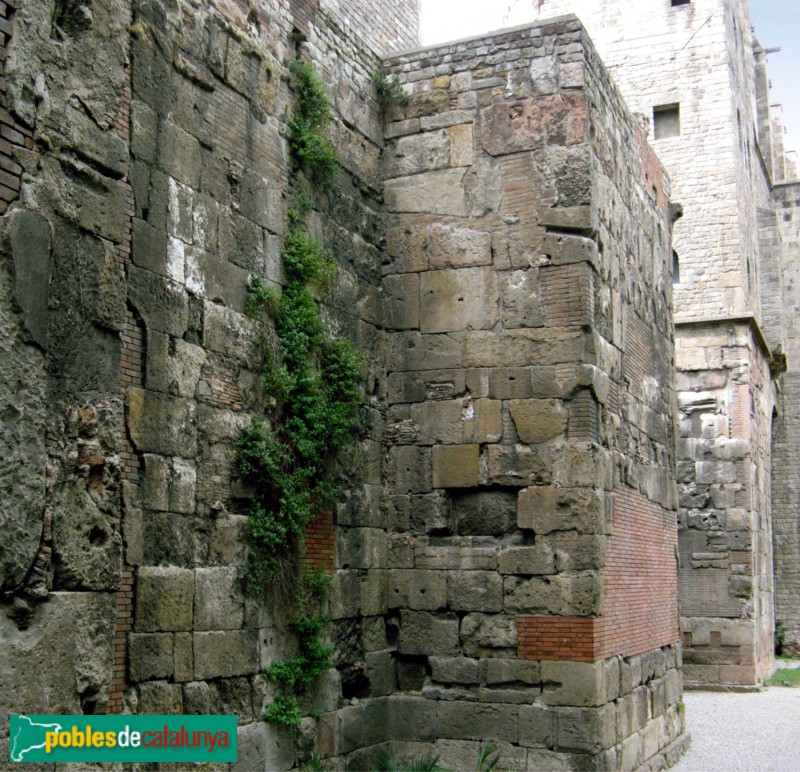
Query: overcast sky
x=777 y=23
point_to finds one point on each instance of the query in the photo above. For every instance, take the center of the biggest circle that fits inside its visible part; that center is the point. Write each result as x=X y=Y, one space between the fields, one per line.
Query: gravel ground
x=747 y=732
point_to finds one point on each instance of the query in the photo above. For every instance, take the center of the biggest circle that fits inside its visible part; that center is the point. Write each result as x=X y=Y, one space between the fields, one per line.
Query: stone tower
x=693 y=72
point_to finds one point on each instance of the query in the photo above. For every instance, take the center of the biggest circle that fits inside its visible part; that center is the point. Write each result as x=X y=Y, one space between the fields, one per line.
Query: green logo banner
x=122 y=738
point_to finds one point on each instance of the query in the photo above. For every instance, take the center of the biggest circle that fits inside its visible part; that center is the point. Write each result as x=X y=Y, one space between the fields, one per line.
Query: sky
x=777 y=24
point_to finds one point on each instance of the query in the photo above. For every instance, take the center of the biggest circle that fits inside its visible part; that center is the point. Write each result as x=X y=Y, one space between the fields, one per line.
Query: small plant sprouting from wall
x=390 y=92
x=313 y=381
x=310 y=144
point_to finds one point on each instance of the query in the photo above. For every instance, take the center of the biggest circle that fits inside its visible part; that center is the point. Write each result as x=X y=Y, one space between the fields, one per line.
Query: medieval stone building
x=504 y=552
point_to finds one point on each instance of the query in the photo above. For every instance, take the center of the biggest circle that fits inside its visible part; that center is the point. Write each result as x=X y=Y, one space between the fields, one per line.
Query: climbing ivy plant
x=313 y=379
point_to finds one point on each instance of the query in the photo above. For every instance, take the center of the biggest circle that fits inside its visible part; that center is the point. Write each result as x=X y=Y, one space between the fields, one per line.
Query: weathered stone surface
x=161 y=424
x=169 y=484
x=87 y=546
x=151 y=656
x=78 y=625
x=437 y=192
x=159 y=698
x=520 y=348
x=455 y=466
x=409 y=469
x=586 y=730
x=161 y=302
x=538 y=420
x=537 y=726
x=534 y=559
x=219 y=601
x=173 y=365
x=486 y=635
x=401 y=301
x=474 y=591
x=520 y=296
x=455 y=247
x=261 y=746
x=417 y=589
x=418 y=153
x=412 y=351
x=224 y=654
x=164 y=599
x=576 y=684
x=485 y=513
x=562 y=594
x=362 y=547
x=516 y=466
x=467 y=721
x=545 y=509
x=532 y=123
x=454 y=300
x=455 y=670
x=422 y=633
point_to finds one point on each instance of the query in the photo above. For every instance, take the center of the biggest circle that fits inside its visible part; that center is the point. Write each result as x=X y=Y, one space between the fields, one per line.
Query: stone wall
x=697 y=60
x=530 y=594
x=63 y=243
x=786 y=466
x=503 y=554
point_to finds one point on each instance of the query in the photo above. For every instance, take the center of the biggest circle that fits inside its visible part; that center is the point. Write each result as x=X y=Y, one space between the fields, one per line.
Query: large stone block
x=516 y=466
x=263 y=747
x=63 y=660
x=169 y=484
x=417 y=153
x=451 y=246
x=161 y=424
x=413 y=351
x=578 y=684
x=537 y=726
x=164 y=599
x=162 y=303
x=159 y=698
x=563 y=594
x=420 y=590
x=225 y=654
x=455 y=670
x=586 y=730
x=538 y=420
x=544 y=509
x=488 y=513
x=533 y=559
x=521 y=348
x=468 y=721
x=362 y=547
x=521 y=302
x=459 y=299
x=173 y=365
x=474 y=591
x=456 y=466
x=150 y=656
x=218 y=599
x=437 y=192
x=489 y=635
x=549 y=119
x=401 y=301
x=425 y=633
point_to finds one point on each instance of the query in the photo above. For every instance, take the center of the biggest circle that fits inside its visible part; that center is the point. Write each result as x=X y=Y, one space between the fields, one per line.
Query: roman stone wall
x=786 y=471
x=530 y=426
x=211 y=167
x=64 y=241
x=503 y=553
x=699 y=56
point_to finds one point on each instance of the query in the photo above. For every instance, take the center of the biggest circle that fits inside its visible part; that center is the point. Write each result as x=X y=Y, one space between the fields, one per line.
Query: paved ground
x=750 y=732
